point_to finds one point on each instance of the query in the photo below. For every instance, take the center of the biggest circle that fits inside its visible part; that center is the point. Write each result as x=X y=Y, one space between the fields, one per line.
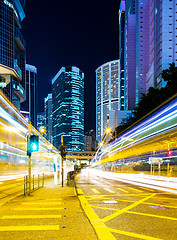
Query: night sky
x=64 y=33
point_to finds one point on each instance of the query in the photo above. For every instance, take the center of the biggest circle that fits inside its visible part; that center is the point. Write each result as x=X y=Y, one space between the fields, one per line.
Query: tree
x=152 y=99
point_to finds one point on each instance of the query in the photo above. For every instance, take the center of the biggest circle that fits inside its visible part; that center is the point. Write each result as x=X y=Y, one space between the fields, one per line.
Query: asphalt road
x=119 y=210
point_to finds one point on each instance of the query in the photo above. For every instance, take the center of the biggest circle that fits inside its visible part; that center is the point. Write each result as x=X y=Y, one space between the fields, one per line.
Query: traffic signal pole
x=29 y=161
x=62 y=170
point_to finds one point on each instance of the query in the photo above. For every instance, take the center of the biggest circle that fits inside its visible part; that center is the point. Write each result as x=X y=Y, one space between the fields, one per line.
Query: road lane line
x=79 y=191
x=95 y=191
x=109 y=190
x=153 y=215
x=122 y=190
x=29 y=228
x=135 y=189
x=134 y=235
x=127 y=208
x=101 y=229
x=29 y=216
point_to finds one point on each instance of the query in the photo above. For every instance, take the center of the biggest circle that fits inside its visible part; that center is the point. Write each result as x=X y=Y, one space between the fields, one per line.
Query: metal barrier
x=36 y=183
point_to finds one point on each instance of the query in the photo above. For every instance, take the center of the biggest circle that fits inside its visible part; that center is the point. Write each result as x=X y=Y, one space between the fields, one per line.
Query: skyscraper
x=29 y=107
x=130 y=55
x=68 y=108
x=48 y=116
x=121 y=51
x=108 y=94
x=12 y=50
x=149 y=45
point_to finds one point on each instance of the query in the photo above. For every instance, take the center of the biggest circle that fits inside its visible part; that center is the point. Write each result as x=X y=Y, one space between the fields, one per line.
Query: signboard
x=155 y=160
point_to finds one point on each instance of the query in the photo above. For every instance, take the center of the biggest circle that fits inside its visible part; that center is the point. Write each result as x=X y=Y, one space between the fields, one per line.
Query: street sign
x=155 y=160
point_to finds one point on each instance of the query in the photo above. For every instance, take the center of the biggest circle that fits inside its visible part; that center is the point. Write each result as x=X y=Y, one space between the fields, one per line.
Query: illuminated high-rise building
x=108 y=94
x=68 y=108
x=29 y=107
x=150 y=36
x=12 y=50
x=48 y=116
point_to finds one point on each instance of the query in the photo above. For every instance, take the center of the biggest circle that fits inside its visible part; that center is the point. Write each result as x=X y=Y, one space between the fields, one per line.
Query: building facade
x=149 y=45
x=68 y=108
x=29 y=107
x=108 y=94
x=12 y=50
x=121 y=51
x=48 y=117
x=41 y=123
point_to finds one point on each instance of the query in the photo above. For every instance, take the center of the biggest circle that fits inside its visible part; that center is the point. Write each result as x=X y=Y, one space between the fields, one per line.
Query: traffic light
x=32 y=144
x=169 y=152
x=63 y=151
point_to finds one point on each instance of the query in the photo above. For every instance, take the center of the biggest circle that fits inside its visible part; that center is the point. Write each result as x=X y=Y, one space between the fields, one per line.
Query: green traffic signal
x=32 y=144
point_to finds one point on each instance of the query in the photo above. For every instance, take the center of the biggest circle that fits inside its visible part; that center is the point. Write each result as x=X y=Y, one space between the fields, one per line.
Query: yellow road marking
x=29 y=216
x=102 y=231
x=153 y=215
x=28 y=228
x=127 y=208
x=109 y=190
x=94 y=190
x=40 y=200
x=134 y=235
x=122 y=190
x=79 y=191
x=41 y=203
x=135 y=189
x=32 y=209
x=147 y=189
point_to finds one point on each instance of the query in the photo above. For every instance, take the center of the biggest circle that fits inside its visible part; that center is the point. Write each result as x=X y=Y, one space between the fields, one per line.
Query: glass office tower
x=68 y=108
x=108 y=94
x=12 y=50
x=48 y=116
x=150 y=45
x=29 y=107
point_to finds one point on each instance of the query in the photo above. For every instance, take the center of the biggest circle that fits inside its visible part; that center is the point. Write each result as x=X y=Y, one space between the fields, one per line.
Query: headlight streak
x=14 y=111
x=9 y=119
x=148 y=127
x=17 y=133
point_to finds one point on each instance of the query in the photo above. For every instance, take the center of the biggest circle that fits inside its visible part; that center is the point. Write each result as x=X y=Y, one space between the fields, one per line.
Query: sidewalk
x=52 y=212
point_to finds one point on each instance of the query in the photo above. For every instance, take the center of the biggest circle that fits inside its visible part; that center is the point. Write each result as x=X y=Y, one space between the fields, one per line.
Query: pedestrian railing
x=36 y=183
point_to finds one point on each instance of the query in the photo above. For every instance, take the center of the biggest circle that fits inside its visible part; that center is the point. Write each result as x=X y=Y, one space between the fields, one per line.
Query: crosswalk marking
x=94 y=190
x=29 y=216
x=135 y=189
x=122 y=190
x=37 y=209
x=28 y=228
x=41 y=203
x=109 y=190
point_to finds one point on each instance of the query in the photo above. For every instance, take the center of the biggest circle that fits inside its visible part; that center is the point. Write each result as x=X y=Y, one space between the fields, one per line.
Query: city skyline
x=64 y=36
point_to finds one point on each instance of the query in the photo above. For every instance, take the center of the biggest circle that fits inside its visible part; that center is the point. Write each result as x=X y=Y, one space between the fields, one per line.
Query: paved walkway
x=51 y=212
